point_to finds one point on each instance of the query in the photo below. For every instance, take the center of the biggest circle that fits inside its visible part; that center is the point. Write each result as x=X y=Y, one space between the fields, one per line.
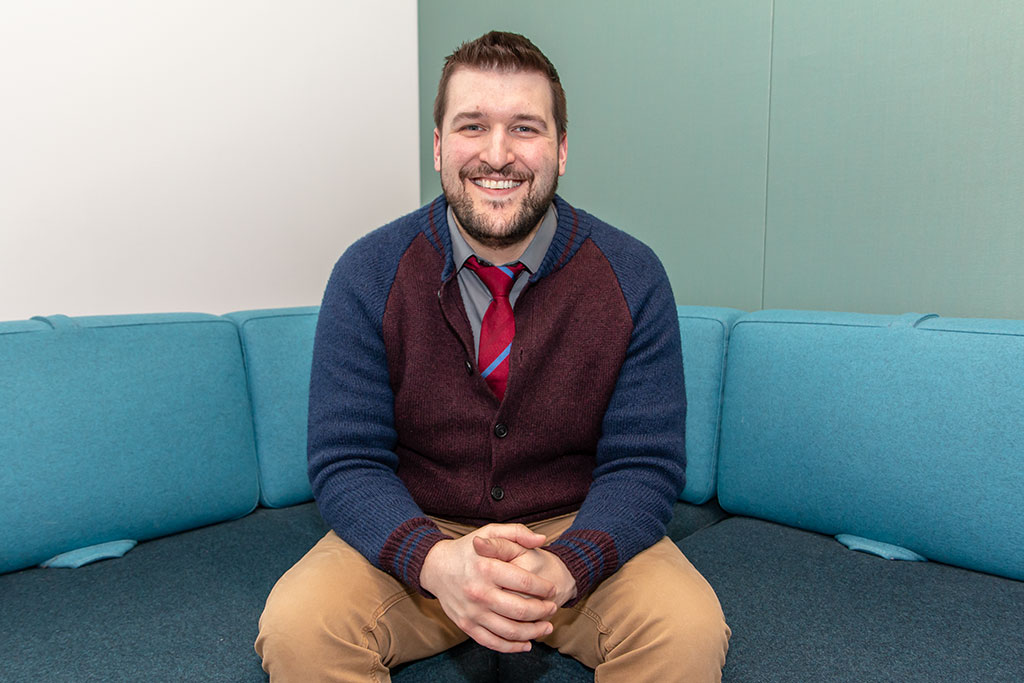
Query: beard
x=492 y=231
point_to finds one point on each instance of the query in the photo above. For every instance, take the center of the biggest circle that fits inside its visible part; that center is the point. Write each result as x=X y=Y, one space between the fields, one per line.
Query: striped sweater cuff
x=403 y=553
x=589 y=555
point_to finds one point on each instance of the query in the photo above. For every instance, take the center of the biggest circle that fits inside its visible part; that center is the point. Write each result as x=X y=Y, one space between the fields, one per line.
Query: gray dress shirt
x=475 y=295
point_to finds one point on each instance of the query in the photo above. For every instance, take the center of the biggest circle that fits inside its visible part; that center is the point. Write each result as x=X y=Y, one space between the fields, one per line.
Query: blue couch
x=855 y=494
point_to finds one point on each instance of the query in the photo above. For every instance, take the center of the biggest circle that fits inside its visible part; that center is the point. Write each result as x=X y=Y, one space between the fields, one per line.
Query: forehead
x=499 y=93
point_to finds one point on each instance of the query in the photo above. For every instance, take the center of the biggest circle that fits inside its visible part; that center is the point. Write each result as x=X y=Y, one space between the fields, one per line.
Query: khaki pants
x=335 y=617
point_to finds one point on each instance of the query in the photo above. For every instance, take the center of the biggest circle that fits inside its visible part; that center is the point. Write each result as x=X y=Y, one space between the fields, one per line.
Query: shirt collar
x=531 y=258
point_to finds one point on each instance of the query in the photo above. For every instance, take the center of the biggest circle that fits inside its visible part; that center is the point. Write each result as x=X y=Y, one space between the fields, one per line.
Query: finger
x=511 y=631
x=497 y=548
x=518 y=533
x=520 y=607
x=518 y=580
x=493 y=642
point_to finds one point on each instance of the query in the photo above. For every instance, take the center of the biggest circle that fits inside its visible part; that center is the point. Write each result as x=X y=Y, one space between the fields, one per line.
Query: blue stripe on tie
x=497 y=361
x=507 y=271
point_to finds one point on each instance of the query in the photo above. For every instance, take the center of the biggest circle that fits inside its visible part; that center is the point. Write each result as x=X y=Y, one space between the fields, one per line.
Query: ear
x=563 y=152
x=437 y=150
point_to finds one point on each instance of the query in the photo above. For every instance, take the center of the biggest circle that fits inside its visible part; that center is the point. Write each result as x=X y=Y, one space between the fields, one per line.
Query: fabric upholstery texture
x=895 y=429
x=79 y=557
x=899 y=429
x=705 y=335
x=802 y=607
x=887 y=551
x=119 y=427
x=201 y=592
x=180 y=608
x=278 y=347
x=471 y=663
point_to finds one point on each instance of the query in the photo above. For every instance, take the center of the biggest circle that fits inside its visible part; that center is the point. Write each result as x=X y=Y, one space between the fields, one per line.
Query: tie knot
x=499 y=279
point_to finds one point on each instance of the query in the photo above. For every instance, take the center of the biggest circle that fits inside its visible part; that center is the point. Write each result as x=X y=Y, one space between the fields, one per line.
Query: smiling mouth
x=489 y=184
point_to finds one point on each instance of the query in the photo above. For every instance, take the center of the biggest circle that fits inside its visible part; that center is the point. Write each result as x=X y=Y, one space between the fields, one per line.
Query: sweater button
x=500 y=430
x=497 y=493
x=469 y=368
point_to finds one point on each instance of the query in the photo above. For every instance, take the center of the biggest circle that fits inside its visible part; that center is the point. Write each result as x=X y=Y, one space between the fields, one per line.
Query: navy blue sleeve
x=352 y=436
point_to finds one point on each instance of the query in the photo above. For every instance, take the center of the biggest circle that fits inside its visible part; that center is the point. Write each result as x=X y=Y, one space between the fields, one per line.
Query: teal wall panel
x=896 y=174
x=863 y=156
x=668 y=118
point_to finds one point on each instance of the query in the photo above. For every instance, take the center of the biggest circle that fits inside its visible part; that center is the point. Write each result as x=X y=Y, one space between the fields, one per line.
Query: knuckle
x=520 y=612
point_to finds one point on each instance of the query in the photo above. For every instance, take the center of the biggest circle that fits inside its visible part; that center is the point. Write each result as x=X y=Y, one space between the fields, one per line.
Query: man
x=496 y=420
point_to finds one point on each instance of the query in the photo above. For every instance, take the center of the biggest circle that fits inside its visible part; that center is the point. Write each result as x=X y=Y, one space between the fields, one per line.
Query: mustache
x=507 y=172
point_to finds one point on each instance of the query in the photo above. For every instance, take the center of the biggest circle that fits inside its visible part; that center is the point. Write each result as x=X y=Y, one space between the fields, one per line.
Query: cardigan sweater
x=402 y=425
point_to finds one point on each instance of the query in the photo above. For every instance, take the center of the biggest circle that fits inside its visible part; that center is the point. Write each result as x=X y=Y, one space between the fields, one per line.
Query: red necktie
x=498 y=326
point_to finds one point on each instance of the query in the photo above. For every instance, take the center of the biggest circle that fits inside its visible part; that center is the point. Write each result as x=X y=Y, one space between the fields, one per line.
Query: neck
x=499 y=255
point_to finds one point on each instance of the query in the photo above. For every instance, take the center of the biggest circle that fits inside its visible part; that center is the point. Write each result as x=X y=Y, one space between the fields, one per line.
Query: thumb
x=497 y=548
x=519 y=534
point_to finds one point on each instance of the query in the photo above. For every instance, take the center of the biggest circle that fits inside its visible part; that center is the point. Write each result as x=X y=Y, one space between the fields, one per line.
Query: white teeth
x=497 y=184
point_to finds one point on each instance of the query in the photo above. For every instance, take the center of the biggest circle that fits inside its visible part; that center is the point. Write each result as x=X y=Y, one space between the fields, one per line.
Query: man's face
x=498 y=153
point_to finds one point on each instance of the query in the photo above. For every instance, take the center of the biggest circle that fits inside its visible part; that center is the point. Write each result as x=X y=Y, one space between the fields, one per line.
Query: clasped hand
x=497 y=585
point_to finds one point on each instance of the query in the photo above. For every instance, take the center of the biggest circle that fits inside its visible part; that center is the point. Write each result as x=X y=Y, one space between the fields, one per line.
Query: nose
x=498 y=153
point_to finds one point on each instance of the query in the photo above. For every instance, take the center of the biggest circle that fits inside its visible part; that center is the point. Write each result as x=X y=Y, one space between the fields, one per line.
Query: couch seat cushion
x=185 y=608
x=803 y=607
x=180 y=608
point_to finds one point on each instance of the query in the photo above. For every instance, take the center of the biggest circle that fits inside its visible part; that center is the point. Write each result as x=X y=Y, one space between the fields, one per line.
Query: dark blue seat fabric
x=805 y=608
x=471 y=663
x=196 y=597
x=154 y=613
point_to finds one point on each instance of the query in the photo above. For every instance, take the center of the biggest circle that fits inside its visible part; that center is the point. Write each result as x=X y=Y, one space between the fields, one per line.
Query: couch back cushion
x=705 y=336
x=278 y=346
x=119 y=427
x=901 y=429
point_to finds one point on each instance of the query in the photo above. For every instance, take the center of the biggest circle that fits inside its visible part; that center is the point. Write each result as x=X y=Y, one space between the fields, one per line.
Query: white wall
x=197 y=155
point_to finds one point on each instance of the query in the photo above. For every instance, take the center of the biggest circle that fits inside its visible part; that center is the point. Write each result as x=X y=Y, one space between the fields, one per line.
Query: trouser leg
x=656 y=619
x=335 y=617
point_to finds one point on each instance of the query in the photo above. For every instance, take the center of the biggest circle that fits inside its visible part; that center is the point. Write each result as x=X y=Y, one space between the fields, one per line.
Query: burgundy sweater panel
x=572 y=330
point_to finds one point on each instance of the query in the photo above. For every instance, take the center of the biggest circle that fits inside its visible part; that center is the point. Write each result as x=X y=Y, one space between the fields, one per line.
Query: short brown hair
x=501 y=51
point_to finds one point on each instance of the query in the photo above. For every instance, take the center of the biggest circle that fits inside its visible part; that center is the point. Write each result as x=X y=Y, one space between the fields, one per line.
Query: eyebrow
x=529 y=118
x=467 y=116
